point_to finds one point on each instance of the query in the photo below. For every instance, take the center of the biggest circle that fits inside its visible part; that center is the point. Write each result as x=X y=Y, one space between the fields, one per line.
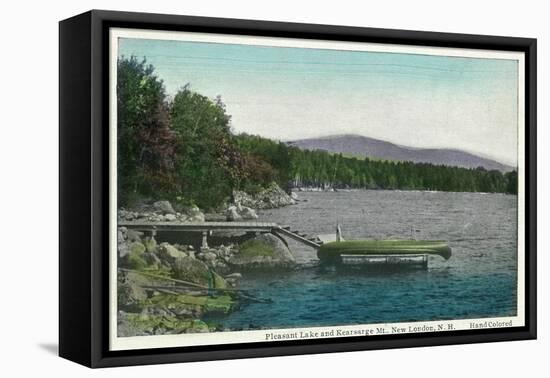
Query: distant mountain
x=362 y=146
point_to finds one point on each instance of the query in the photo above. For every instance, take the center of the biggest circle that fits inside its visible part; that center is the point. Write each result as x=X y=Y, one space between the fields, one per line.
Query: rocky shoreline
x=176 y=287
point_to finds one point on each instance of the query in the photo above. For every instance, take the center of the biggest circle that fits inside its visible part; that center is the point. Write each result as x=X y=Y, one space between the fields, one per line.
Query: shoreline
x=351 y=190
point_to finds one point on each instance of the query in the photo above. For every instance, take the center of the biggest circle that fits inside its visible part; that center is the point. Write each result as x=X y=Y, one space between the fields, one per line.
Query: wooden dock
x=207 y=228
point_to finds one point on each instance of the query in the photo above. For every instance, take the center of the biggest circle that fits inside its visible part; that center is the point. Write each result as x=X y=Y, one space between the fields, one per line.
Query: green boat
x=383 y=251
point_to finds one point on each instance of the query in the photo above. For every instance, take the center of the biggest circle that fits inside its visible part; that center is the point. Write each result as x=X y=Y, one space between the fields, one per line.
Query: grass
x=155 y=322
x=255 y=248
x=219 y=304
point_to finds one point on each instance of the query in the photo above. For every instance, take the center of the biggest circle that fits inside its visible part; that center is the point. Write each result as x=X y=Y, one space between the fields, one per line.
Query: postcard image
x=270 y=189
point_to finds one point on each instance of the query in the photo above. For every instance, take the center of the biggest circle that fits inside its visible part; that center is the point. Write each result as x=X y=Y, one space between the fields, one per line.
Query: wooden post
x=204 y=244
x=339 y=233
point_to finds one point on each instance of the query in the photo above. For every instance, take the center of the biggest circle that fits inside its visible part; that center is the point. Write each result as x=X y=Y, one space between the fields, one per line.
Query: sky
x=287 y=93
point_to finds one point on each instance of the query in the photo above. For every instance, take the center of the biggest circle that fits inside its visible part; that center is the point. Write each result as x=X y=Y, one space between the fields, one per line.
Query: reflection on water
x=478 y=281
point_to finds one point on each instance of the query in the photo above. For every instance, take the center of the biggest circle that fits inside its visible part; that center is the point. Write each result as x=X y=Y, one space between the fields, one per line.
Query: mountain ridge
x=363 y=146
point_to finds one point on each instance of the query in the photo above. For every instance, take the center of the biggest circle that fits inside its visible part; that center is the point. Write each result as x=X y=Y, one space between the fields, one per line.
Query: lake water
x=478 y=281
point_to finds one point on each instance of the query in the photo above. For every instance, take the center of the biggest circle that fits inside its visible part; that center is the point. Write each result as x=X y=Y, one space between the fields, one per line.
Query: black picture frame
x=84 y=189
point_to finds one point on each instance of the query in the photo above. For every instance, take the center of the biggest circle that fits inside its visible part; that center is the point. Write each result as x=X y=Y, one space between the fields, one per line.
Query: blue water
x=478 y=281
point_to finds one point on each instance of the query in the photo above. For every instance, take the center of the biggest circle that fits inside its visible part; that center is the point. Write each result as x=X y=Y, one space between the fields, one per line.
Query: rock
x=208 y=256
x=170 y=217
x=231 y=281
x=232 y=214
x=220 y=266
x=294 y=195
x=271 y=197
x=134 y=259
x=131 y=290
x=124 y=327
x=181 y=247
x=169 y=253
x=248 y=213
x=137 y=248
x=196 y=271
x=121 y=214
x=265 y=251
x=151 y=259
x=223 y=251
x=164 y=207
x=125 y=215
x=194 y=214
x=122 y=244
x=143 y=215
x=133 y=235
x=123 y=250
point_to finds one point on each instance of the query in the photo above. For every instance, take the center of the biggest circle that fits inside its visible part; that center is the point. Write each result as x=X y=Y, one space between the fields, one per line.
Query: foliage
x=266 y=161
x=178 y=147
x=146 y=147
x=208 y=166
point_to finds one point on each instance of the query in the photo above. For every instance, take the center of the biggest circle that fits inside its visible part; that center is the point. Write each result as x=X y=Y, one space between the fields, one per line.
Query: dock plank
x=220 y=226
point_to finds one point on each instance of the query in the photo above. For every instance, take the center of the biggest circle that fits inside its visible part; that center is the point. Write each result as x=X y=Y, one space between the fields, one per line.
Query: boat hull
x=389 y=251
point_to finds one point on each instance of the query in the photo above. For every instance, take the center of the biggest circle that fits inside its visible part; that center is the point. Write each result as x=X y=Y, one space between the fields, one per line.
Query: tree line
x=304 y=168
x=182 y=148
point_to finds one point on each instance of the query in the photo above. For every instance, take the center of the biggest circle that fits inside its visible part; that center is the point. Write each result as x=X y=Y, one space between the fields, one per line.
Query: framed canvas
x=234 y=188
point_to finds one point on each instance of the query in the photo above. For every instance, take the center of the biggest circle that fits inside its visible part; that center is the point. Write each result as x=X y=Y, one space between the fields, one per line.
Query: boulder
x=269 y=198
x=193 y=214
x=126 y=215
x=122 y=242
x=232 y=214
x=164 y=207
x=170 y=217
x=144 y=215
x=168 y=253
x=123 y=249
x=208 y=256
x=193 y=270
x=248 y=213
x=265 y=251
x=137 y=248
x=133 y=235
x=134 y=259
x=152 y=260
x=223 y=251
x=131 y=290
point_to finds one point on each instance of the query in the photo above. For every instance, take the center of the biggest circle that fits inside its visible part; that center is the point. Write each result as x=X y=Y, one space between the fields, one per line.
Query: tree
x=207 y=164
x=146 y=143
x=511 y=179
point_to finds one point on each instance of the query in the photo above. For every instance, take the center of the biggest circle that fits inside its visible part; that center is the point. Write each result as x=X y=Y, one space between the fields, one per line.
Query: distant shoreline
x=349 y=190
